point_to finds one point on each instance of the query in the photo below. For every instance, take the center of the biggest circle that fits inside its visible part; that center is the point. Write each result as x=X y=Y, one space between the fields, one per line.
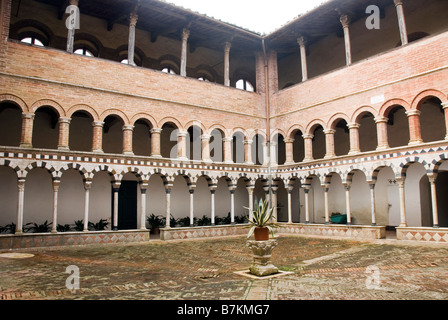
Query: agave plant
x=261 y=217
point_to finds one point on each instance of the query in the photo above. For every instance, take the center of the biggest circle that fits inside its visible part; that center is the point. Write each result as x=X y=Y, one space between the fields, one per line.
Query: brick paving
x=322 y=269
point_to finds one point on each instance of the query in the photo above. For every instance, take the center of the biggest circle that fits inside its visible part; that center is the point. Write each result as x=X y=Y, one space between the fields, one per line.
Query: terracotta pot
x=261 y=234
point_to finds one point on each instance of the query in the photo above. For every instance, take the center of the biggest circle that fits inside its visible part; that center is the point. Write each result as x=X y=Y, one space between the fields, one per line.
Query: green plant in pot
x=261 y=224
x=155 y=222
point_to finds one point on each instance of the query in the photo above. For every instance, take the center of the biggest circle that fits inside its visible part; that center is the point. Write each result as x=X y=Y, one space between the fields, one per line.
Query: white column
x=435 y=211
x=183 y=62
x=168 y=206
x=191 y=190
x=20 y=204
x=116 y=189
x=306 y=189
x=290 y=189
x=372 y=203
x=401 y=22
x=56 y=183
x=143 y=189
x=403 y=223
x=302 y=44
x=87 y=187
x=131 y=45
x=327 y=209
x=274 y=190
x=232 y=204
x=212 y=192
x=227 y=47
x=345 y=21
x=347 y=204
x=250 y=191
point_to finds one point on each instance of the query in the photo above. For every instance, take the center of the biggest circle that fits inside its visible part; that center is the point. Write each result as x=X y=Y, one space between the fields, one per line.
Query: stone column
x=329 y=143
x=205 y=138
x=354 y=138
x=435 y=211
x=445 y=110
x=250 y=192
x=183 y=61
x=308 y=141
x=290 y=190
x=182 y=146
x=97 y=143
x=248 y=152
x=232 y=189
x=143 y=189
x=116 y=189
x=401 y=22
x=414 y=127
x=266 y=155
x=345 y=21
x=64 y=131
x=191 y=191
x=327 y=208
x=73 y=24
x=20 y=205
x=87 y=187
x=56 y=184
x=302 y=43
x=227 y=47
x=347 y=205
x=306 y=189
x=372 y=203
x=127 y=140
x=26 y=138
x=168 y=205
x=131 y=45
x=401 y=190
x=274 y=153
x=289 y=146
x=228 y=150
x=212 y=192
x=381 y=129
x=155 y=143
x=274 y=190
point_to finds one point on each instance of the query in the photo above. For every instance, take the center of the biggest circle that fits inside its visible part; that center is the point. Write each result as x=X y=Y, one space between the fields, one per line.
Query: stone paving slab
x=321 y=269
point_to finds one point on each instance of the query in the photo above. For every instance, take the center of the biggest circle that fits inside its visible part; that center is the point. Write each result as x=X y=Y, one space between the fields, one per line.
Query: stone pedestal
x=262 y=250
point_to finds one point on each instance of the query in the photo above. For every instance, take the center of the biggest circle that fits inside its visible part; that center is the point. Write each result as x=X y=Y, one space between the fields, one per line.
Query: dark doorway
x=127 y=206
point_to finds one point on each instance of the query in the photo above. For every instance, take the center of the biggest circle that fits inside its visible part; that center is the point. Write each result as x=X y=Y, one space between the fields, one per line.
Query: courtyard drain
x=16 y=255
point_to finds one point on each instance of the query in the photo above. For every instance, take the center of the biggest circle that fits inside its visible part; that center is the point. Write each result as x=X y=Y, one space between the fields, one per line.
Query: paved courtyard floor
x=322 y=269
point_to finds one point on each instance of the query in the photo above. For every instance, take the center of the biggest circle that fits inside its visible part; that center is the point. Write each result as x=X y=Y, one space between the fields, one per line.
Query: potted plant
x=154 y=222
x=261 y=223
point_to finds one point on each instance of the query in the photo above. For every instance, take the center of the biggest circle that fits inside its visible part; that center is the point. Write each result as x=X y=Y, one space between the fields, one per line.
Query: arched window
x=245 y=85
x=84 y=52
x=32 y=40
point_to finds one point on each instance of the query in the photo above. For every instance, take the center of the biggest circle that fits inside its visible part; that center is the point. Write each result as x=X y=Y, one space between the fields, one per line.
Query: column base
x=381 y=148
x=249 y=163
x=330 y=156
x=97 y=151
x=26 y=145
x=289 y=163
x=158 y=156
x=354 y=152
x=128 y=153
x=63 y=148
x=415 y=142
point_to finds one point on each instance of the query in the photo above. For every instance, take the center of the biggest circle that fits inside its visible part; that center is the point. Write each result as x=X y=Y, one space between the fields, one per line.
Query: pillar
x=372 y=203
x=248 y=152
x=414 y=127
x=445 y=110
x=73 y=25
x=228 y=150
x=183 y=61
x=345 y=21
x=290 y=190
x=115 y=189
x=347 y=205
x=327 y=208
x=97 y=143
x=301 y=41
x=131 y=44
x=212 y=193
x=401 y=190
x=20 y=204
x=329 y=143
x=381 y=129
x=26 y=139
x=401 y=22
x=87 y=187
x=56 y=184
x=308 y=141
x=168 y=189
x=227 y=47
x=435 y=211
x=250 y=192
x=155 y=143
x=266 y=154
x=64 y=130
x=143 y=189
x=205 y=139
x=289 y=146
x=182 y=146
x=232 y=189
x=274 y=205
x=354 y=138
x=306 y=189
x=274 y=153
x=127 y=140
x=191 y=191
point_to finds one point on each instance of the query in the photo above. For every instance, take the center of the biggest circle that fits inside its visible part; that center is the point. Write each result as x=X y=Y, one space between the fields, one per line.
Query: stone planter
x=262 y=251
